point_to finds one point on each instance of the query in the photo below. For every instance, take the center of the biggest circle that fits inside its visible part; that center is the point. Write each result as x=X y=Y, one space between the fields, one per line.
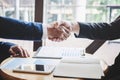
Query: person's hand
x=73 y=26
x=58 y=32
x=18 y=51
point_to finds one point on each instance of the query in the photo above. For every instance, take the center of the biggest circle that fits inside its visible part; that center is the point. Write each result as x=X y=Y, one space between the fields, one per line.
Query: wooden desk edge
x=5 y=75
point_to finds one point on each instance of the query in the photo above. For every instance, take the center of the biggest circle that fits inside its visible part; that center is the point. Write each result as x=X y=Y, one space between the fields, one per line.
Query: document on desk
x=58 y=52
x=84 y=67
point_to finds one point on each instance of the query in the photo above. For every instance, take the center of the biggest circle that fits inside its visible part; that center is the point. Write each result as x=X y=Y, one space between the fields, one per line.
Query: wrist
x=75 y=27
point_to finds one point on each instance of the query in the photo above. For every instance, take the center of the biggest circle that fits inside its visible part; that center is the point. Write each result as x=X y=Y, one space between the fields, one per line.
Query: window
x=22 y=10
x=97 y=11
x=70 y=10
x=64 y=10
x=77 y=10
x=19 y=9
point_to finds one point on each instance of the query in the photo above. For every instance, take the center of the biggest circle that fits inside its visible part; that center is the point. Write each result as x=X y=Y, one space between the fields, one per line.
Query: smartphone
x=35 y=68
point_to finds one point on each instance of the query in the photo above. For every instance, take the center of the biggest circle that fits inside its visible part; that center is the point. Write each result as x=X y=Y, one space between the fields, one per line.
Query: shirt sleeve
x=44 y=32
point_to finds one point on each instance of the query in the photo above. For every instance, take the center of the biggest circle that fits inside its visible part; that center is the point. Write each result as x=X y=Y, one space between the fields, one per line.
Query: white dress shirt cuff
x=44 y=31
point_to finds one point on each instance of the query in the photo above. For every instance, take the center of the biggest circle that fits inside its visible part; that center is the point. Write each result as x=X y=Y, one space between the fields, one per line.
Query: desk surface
x=10 y=75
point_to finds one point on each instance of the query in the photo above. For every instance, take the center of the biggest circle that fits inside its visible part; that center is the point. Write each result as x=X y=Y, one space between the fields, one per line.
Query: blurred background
x=57 y=10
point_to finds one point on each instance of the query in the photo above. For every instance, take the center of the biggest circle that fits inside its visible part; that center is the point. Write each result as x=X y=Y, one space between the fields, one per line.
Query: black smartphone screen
x=39 y=67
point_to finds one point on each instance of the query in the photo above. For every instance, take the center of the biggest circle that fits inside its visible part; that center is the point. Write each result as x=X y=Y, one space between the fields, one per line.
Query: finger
x=15 y=50
x=65 y=30
x=63 y=37
x=65 y=33
x=52 y=39
x=55 y=24
x=28 y=55
x=66 y=24
x=12 y=53
x=16 y=55
x=24 y=53
x=20 y=52
x=55 y=39
x=54 y=32
x=59 y=40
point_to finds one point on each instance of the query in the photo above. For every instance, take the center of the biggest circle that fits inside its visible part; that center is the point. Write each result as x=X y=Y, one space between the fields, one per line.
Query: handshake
x=59 y=31
x=56 y=31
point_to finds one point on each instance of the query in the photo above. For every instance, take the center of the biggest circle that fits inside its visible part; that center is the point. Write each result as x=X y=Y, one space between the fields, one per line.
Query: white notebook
x=58 y=52
x=84 y=67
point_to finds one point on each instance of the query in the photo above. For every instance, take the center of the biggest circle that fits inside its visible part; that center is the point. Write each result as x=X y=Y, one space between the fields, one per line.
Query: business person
x=102 y=31
x=16 y=29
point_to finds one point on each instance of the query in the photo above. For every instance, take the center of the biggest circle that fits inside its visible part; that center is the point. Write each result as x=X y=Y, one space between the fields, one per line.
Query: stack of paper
x=83 y=67
x=58 y=52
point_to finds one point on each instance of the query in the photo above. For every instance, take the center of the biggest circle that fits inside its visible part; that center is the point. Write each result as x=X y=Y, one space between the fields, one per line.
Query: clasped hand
x=59 y=31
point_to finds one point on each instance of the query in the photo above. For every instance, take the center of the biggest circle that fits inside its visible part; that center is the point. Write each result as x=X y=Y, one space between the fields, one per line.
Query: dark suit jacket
x=4 y=50
x=16 y=29
x=103 y=31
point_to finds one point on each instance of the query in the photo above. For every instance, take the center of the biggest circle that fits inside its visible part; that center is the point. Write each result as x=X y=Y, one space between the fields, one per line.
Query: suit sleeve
x=4 y=50
x=16 y=29
x=102 y=31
